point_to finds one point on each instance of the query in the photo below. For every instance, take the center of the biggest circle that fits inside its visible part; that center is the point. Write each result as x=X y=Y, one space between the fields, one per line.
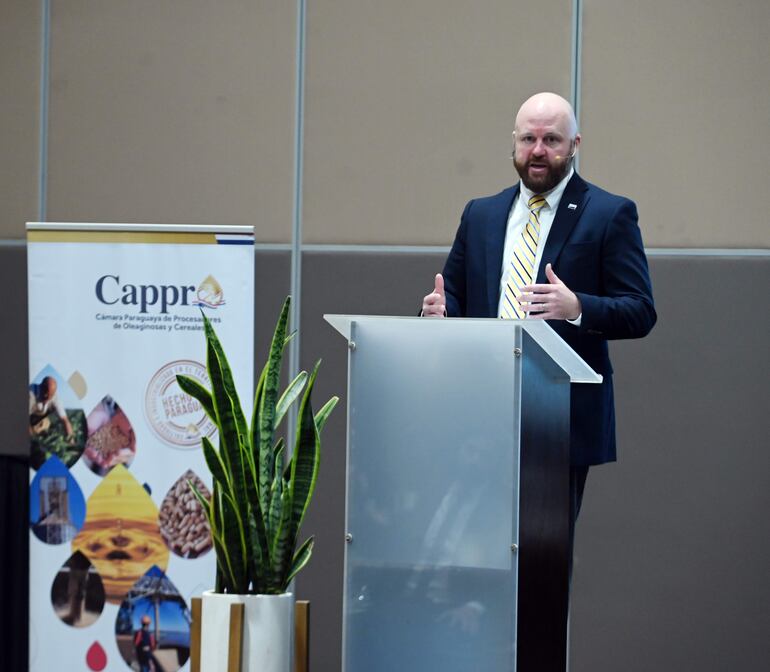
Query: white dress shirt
x=517 y=220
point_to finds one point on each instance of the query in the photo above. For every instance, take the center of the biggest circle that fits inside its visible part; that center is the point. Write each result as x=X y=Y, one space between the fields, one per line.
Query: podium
x=457 y=508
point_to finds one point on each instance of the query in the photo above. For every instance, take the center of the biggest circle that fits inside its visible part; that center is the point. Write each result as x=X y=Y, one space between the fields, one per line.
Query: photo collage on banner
x=118 y=543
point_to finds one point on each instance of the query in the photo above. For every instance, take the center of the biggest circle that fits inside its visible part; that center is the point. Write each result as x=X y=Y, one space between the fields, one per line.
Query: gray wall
x=186 y=112
x=672 y=545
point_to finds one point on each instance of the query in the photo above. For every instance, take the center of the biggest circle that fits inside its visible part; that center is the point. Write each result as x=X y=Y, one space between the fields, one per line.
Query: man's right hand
x=434 y=305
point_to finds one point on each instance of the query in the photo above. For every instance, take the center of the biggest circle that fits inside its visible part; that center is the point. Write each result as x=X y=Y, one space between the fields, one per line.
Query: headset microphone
x=558 y=157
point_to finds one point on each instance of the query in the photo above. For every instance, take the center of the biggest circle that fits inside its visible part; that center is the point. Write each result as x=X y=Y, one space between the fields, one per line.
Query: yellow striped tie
x=521 y=270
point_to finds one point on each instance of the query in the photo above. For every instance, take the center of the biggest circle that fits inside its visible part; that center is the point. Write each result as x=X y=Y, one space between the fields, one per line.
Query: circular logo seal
x=175 y=416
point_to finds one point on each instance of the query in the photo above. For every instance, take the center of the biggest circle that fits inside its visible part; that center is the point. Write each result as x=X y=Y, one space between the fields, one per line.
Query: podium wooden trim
x=235 y=642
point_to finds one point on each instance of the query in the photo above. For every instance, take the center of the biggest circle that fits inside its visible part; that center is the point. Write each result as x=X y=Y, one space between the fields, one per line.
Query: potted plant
x=259 y=500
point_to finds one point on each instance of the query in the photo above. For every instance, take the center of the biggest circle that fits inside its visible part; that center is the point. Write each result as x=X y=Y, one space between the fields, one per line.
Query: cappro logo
x=110 y=290
x=210 y=293
x=175 y=416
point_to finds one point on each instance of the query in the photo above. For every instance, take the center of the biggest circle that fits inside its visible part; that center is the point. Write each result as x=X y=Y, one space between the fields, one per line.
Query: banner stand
x=118 y=544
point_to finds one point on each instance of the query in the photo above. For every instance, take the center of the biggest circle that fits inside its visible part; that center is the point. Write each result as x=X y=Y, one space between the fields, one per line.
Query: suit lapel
x=497 y=225
x=571 y=206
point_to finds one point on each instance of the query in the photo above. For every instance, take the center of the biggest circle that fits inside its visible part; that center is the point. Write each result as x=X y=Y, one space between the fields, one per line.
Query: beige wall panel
x=409 y=109
x=20 y=39
x=676 y=103
x=173 y=111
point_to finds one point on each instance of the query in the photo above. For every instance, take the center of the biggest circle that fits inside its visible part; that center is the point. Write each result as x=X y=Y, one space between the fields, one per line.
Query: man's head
x=47 y=388
x=545 y=140
x=146 y=621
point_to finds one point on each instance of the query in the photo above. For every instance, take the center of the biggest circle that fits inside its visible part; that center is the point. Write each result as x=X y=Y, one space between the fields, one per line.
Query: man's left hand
x=553 y=301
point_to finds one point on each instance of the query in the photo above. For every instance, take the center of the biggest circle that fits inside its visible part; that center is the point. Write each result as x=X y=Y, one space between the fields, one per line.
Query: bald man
x=554 y=247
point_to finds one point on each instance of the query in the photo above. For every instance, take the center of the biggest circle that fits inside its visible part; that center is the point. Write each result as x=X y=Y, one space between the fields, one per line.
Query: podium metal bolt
x=514 y=548
x=349 y=538
x=351 y=345
x=517 y=352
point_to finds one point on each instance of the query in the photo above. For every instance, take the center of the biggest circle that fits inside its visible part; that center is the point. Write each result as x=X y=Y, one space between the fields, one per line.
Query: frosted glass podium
x=457 y=514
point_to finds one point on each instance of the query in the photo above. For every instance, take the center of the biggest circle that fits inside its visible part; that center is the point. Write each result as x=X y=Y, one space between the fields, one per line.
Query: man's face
x=542 y=150
x=48 y=389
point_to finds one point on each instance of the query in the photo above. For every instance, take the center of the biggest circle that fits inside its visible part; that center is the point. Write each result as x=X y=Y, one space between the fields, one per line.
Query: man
x=144 y=644
x=555 y=247
x=42 y=400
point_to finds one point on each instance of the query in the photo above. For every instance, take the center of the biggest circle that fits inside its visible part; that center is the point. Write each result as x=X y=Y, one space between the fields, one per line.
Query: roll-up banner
x=118 y=544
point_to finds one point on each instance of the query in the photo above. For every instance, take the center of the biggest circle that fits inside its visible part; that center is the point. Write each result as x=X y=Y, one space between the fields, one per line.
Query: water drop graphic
x=183 y=524
x=57 y=424
x=155 y=612
x=96 y=657
x=111 y=438
x=57 y=508
x=77 y=592
x=120 y=536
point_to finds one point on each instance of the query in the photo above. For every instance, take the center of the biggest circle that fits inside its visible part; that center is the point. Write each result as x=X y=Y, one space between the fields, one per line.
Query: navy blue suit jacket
x=595 y=248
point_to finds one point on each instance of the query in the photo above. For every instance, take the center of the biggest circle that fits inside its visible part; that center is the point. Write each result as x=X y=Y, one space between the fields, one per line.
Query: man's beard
x=543 y=183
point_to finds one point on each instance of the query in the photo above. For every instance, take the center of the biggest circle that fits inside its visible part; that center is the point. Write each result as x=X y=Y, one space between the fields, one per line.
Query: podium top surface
x=564 y=356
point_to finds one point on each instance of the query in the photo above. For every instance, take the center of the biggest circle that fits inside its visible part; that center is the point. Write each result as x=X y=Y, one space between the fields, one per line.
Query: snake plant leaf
x=257 y=521
x=205 y=503
x=304 y=473
x=234 y=537
x=306 y=457
x=223 y=386
x=197 y=391
x=230 y=421
x=279 y=452
x=255 y=441
x=251 y=465
x=301 y=558
x=225 y=578
x=279 y=449
x=282 y=543
x=224 y=573
x=289 y=397
x=214 y=462
x=274 y=514
x=220 y=585
x=225 y=421
x=215 y=522
x=325 y=411
x=268 y=404
x=257 y=561
x=227 y=384
x=216 y=507
x=287 y=474
x=262 y=562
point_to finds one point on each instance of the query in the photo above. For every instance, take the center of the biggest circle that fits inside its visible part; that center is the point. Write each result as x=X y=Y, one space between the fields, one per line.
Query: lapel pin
x=572 y=206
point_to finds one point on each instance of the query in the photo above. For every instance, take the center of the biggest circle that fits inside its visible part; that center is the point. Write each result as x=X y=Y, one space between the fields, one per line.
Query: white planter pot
x=268 y=632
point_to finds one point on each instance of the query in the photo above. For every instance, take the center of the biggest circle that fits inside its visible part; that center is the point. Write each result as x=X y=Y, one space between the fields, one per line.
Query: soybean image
x=183 y=524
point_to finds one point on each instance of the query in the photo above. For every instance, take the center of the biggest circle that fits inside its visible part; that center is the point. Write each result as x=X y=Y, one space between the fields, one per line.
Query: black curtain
x=14 y=563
